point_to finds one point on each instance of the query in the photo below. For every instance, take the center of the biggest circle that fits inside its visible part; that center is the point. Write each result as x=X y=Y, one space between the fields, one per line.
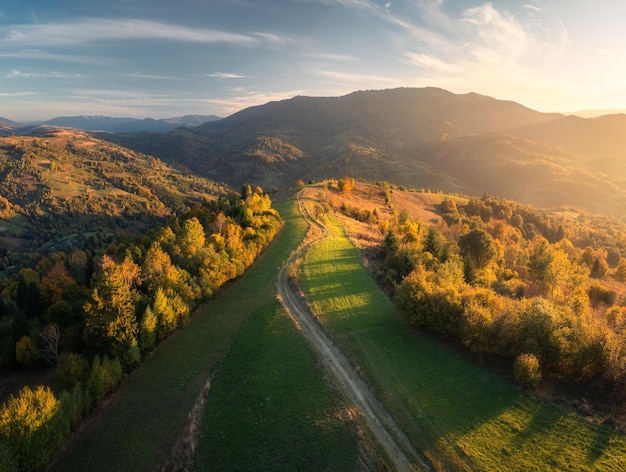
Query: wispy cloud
x=496 y=31
x=141 y=75
x=16 y=74
x=274 y=38
x=529 y=6
x=356 y=78
x=88 y=30
x=17 y=94
x=325 y=56
x=227 y=75
x=366 y=5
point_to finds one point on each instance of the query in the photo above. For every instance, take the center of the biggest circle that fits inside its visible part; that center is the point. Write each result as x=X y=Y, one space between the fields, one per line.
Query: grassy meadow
x=283 y=396
x=461 y=415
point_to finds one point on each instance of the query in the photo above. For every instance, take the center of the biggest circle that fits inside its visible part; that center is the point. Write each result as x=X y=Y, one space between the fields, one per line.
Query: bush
x=31 y=427
x=104 y=377
x=72 y=368
x=26 y=351
x=527 y=371
x=75 y=404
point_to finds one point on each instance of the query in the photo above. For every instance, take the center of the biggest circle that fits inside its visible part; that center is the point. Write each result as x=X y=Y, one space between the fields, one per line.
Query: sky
x=166 y=58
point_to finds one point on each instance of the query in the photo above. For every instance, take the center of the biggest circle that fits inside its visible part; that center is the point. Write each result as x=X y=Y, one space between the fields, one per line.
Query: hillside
x=426 y=137
x=61 y=185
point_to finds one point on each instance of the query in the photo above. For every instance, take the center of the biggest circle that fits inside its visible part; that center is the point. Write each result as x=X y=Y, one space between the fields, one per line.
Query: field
x=460 y=414
x=268 y=409
x=137 y=428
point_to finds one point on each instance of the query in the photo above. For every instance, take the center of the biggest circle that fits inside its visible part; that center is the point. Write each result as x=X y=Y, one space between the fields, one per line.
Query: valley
x=404 y=279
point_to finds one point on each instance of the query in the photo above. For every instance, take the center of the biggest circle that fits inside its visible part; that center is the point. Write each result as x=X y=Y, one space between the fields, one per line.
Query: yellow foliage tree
x=31 y=426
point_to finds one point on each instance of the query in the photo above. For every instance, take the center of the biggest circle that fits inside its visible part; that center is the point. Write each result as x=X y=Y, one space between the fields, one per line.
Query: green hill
x=60 y=185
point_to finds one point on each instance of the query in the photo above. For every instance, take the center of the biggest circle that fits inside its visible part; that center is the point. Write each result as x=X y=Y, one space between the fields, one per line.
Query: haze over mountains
x=425 y=137
x=108 y=124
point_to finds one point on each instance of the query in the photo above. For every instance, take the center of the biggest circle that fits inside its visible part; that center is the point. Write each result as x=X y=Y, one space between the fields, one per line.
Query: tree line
x=506 y=280
x=94 y=314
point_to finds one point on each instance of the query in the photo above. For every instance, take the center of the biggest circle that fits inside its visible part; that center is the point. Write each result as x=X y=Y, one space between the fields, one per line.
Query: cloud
x=496 y=31
x=17 y=94
x=227 y=75
x=358 y=4
x=431 y=62
x=354 y=78
x=274 y=38
x=332 y=57
x=230 y=105
x=16 y=74
x=141 y=75
x=88 y=30
x=528 y=6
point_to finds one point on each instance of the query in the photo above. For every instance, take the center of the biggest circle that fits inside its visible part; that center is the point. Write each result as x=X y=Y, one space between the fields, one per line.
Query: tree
x=27 y=292
x=527 y=371
x=51 y=338
x=26 y=351
x=191 y=236
x=345 y=185
x=148 y=329
x=620 y=271
x=111 y=322
x=71 y=369
x=31 y=426
x=434 y=243
x=246 y=191
x=477 y=247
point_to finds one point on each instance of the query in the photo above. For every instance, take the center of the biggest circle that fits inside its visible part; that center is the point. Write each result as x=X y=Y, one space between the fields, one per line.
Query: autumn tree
x=32 y=427
x=111 y=322
x=345 y=185
x=191 y=236
x=527 y=370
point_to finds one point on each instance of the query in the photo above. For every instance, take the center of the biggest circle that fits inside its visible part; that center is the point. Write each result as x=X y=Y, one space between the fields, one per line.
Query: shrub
x=527 y=371
x=104 y=377
x=72 y=368
x=75 y=404
x=26 y=351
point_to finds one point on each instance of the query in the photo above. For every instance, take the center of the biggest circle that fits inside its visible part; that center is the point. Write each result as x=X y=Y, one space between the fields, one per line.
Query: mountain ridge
x=415 y=137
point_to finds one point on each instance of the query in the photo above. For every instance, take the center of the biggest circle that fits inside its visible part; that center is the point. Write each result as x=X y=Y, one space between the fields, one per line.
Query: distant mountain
x=600 y=137
x=61 y=184
x=428 y=137
x=127 y=125
x=597 y=113
x=7 y=126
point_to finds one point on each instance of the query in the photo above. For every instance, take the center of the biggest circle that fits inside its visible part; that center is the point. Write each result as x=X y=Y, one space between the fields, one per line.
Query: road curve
x=398 y=447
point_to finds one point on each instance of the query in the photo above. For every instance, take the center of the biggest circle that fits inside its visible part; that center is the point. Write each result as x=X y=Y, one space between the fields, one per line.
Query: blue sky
x=163 y=58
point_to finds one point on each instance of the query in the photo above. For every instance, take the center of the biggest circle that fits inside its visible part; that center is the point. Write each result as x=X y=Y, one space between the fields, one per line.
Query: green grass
x=137 y=430
x=460 y=414
x=271 y=409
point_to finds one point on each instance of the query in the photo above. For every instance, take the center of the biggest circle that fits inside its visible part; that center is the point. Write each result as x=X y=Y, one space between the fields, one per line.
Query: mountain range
x=415 y=137
x=107 y=123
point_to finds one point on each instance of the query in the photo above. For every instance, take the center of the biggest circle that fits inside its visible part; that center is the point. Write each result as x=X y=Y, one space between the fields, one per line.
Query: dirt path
x=399 y=449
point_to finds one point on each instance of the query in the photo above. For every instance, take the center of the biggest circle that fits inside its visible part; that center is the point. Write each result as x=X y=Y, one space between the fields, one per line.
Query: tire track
x=399 y=449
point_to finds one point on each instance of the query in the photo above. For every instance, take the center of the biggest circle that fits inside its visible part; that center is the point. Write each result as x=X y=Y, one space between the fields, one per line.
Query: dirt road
x=400 y=451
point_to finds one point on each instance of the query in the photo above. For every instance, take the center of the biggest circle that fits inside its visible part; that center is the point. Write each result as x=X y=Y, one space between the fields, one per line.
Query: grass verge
x=460 y=414
x=140 y=423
